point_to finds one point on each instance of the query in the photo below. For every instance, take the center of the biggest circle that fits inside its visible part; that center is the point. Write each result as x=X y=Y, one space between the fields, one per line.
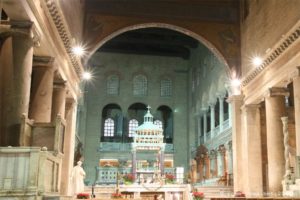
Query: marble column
x=212 y=120
x=41 y=89
x=296 y=88
x=252 y=151
x=275 y=109
x=221 y=112
x=16 y=56
x=58 y=100
x=205 y=125
x=236 y=102
x=69 y=146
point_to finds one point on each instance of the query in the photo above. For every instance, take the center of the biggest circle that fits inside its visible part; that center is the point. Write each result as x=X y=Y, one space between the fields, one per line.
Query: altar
x=144 y=191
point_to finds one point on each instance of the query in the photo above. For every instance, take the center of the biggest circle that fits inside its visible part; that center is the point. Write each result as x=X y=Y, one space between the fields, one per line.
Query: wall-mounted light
x=257 y=61
x=86 y=76
x=78 y=50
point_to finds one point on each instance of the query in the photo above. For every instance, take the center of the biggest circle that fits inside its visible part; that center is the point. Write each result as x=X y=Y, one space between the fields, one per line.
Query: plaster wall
x=264 y=26
x=126 y=66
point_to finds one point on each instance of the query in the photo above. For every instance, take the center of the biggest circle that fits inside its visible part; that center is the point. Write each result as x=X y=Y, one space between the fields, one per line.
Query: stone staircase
x=215 y=191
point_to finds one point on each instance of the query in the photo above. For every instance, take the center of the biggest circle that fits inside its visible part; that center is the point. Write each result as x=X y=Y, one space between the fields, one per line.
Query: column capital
x=221 y=95
x=43 y=61
x=59 y=84
x=277 y=91
x=294 y=74
x=247 y=107
x=234 y=98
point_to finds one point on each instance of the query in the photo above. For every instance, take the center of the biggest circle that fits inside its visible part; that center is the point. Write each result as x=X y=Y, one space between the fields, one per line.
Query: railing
x=217 y=131
x=115 y=146
x=108 y=175
x=28 y=171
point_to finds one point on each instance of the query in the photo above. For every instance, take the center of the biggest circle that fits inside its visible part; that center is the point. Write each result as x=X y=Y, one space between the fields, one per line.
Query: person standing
x=77 y=177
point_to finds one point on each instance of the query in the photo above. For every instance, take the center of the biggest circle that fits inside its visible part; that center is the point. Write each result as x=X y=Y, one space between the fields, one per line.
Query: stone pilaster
x=252 y=151
x=207 y=166
x=236 y=102
x=133 y=162
x=41 y=89
x=296 y=88
x=58 y=100
x=16 y=56
x=275 y=109
x=221 y=161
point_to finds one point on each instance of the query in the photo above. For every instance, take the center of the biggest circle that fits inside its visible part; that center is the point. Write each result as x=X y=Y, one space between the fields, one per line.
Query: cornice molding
x=280 y=48
x=64 y=33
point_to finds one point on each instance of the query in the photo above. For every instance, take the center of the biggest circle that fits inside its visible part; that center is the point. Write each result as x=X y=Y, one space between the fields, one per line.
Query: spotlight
x=78 y=50
x=257 y=61
x=86 y=75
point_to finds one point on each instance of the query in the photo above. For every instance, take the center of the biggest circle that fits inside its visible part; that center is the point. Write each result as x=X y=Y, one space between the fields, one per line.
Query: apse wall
x=126 y=67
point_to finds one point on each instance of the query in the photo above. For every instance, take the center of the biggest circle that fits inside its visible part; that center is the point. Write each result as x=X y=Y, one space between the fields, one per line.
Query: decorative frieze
x=64 y=34
x=279 y=49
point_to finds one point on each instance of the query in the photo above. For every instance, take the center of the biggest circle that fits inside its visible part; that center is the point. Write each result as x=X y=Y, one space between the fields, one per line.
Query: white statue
x=77 y=177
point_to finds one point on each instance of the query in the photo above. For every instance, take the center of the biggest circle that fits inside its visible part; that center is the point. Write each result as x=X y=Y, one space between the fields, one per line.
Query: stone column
x=221 y=112
x=205 y=125
x=58 y=100
x=69 y=146
x=16 y=57
x=212 y=120
x=207 y=166
x=229 y=157
x=162 y=162
x=275 y=109
x=296 y=88
x=252 y=151
x=41 y=89
x=236 y=102
x=133 y=162
x=199 y=129
x=220 y=160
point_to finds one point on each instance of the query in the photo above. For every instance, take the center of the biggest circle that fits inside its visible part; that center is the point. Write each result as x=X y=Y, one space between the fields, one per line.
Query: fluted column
x=16 y=60
x=252 y=151
x=58 y=100
x=205 y=125
x=212 y=120
x=296 y=88
x=275 y=109
x=41 y=89
x=221 y=112
x=236 y=102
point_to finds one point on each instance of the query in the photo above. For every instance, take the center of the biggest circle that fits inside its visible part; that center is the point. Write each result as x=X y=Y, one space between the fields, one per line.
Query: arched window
x=158 y=123
x=109 y=127
x=166 y=88
x=112 y=85
x=133 y=124
x=140 y=85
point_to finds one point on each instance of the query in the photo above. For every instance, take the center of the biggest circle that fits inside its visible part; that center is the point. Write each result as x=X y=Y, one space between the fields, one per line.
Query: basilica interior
x=157 y=99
